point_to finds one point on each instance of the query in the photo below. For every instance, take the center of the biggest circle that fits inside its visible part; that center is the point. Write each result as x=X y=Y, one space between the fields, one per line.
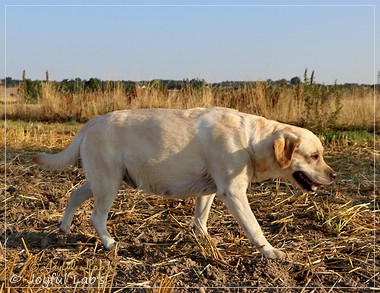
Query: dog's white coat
x=187 y=153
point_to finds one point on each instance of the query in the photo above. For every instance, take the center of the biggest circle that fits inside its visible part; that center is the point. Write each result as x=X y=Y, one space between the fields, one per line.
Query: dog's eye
x=315 y=157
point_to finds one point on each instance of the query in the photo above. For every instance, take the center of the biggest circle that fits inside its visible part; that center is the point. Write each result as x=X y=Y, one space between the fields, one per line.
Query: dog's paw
x=65 y=228
x=273 y=253
x=109 y=243
x=200 y=232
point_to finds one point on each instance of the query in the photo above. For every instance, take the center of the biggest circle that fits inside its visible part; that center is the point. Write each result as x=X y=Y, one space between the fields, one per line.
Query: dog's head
x=300 y=156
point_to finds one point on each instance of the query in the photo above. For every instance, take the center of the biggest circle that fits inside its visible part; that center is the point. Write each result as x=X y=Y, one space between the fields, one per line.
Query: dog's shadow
x=46 y=240
x=51 y=243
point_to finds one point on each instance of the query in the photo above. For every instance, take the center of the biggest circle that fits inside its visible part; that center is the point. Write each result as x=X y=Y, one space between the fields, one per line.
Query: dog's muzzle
x=305 y=182
x=308 y=184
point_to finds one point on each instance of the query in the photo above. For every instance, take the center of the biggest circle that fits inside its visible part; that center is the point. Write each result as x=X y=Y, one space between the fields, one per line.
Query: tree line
x=31 y=90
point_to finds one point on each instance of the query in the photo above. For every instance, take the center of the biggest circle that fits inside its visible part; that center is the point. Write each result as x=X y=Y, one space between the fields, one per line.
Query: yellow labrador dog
x=189 y=153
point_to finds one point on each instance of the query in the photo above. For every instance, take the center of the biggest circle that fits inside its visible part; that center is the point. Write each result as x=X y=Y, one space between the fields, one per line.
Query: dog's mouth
x=305 y=182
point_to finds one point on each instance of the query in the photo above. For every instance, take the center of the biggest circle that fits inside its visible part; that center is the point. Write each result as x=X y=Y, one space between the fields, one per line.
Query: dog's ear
x=284 y=147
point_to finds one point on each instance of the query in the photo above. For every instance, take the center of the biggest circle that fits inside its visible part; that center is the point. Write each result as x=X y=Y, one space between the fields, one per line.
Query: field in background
x=317 y=107
x=329 y=237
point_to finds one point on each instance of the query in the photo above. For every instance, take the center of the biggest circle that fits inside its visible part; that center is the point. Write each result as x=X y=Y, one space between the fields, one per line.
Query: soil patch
x=329 y=237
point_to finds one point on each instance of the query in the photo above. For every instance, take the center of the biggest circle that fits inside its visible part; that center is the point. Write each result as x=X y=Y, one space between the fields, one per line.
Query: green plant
x=337 y=217
x=322 y=104
x=30 y=90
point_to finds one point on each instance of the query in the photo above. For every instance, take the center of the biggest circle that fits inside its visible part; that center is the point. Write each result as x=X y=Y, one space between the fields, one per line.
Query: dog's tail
x=60 y=160
x=63 y=159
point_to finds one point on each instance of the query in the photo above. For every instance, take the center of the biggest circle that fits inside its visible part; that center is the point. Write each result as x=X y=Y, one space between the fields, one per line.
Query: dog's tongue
x=314 y=187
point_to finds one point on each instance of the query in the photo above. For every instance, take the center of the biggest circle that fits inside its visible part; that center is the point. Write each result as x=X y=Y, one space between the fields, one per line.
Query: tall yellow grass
x=311 y=106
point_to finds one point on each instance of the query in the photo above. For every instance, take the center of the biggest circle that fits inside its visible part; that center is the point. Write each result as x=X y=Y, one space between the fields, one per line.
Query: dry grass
x=309 y=105
x=329 y=238
x=359 y=109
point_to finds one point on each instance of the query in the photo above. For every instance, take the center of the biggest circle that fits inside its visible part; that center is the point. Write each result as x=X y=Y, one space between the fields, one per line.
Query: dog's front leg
x=202 y=211
x=235 y=198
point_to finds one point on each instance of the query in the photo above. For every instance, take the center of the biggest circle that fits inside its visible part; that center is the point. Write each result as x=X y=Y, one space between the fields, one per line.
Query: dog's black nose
x=332 y=175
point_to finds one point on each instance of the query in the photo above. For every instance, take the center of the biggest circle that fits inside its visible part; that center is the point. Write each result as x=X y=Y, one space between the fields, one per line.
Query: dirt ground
x=329 y=238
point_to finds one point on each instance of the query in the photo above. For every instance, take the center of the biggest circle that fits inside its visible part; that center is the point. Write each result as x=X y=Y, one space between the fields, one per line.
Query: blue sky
x=222 y=40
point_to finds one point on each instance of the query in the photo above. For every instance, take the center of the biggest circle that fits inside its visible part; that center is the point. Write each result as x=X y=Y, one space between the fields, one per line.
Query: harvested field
x=330 y=237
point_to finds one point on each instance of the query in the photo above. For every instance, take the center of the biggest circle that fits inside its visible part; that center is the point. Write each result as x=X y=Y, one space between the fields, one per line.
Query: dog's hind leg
x=105 y=191
x=202 y=211
x=78 y=196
